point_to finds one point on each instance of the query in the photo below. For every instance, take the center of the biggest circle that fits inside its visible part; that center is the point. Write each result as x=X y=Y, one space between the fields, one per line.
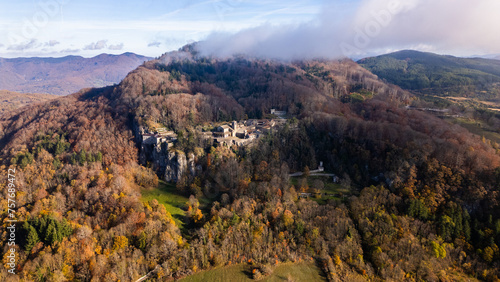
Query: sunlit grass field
x=284 y=272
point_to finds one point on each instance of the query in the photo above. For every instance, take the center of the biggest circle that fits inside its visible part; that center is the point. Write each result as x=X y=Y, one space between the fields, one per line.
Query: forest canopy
x=417 y=197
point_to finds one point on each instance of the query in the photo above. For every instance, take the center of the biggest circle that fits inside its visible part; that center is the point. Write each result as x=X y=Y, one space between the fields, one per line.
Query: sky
x=265 y=28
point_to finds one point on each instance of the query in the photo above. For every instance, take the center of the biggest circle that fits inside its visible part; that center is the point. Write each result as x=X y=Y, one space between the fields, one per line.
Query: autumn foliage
x=422 y=202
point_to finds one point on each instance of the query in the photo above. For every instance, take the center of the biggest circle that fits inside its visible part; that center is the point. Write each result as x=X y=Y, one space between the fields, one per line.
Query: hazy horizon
x=271 y=29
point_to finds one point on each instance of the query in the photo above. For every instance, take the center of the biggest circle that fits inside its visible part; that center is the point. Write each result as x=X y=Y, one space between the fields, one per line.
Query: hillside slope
x=419 y=196
x=12 y=100
x=62 y=76
x=437 y=74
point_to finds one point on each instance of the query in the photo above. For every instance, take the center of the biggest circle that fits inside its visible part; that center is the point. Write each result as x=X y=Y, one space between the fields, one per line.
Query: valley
x=66 y=75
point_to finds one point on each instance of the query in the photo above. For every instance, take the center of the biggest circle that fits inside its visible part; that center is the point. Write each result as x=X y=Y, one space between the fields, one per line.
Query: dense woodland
x=434 y=74
x=423 y=201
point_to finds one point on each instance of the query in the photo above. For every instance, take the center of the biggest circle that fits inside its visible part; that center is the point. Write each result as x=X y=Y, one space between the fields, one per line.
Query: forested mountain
x=467 y=91
x=419 y=202
x=436 y=74
x=66 y=75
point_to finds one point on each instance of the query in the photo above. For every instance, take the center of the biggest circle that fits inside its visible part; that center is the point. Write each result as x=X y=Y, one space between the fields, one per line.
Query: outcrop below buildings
x=175 y=165
x=170 y=164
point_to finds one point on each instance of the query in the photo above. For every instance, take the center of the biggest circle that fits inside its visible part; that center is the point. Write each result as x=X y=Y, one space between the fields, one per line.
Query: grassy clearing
x=172 y=200
x=475 y=102
x=329 y=188
x=167 y=195
x=477 y=128
x=295 y=271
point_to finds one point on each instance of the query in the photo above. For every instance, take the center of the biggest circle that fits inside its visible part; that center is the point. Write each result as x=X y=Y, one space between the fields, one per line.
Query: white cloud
x=459 y=26
x=28 y=45
x=101 y=44
x=72 y=51
x=271 y=28
x=453 y=26
x=116 y=46
x=154 y=44
x=52 y=43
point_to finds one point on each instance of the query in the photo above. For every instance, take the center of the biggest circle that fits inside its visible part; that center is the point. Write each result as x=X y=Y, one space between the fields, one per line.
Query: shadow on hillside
x=247 y=271
x=179 y=217
x=321 y=271
x=91 y=93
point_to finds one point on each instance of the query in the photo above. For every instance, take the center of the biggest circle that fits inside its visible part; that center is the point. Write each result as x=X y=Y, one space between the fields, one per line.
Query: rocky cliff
x=169 y=163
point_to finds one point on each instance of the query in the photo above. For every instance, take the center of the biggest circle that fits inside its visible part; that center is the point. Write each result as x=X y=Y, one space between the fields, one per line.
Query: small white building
x=223 y=131
x=278 y=113
x=320 y=167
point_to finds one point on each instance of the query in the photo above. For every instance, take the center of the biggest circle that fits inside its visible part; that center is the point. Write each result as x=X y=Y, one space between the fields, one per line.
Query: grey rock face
x=176 y=165
x=170 y=164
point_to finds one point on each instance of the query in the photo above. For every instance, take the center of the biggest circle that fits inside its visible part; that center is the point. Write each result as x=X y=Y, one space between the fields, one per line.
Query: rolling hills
x=468 y=88
x=430 y=73
x=66 y=75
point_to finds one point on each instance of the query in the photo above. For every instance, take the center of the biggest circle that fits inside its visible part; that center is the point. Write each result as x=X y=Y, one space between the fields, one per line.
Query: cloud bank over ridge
x=459 y=27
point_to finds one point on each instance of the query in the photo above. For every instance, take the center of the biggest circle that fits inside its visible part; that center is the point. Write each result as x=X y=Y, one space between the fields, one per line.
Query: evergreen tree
x=446 y=227
x=82 y=157
x=52 y=235
x=458 y=220
x=99 y=157
x=61 y=146
x=418 y=209
x=466 y=224
x=50 y=230
x=30 y=237
x=142 y=241
x=90 y=157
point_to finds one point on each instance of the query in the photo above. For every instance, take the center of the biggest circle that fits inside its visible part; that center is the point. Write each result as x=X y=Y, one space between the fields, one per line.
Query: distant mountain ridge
x=66 y=75
x=422 y=72
x=488 y=56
